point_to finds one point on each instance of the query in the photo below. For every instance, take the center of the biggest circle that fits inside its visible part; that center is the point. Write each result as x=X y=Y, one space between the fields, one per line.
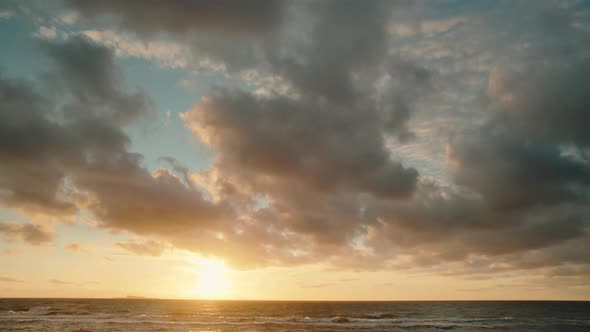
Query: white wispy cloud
x=166 y=53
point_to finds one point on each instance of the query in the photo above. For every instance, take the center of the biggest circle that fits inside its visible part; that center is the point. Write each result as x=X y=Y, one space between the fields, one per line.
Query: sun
x=214 y=279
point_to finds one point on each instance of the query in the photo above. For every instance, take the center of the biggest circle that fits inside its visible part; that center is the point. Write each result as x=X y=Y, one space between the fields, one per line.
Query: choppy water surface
x=33 y=315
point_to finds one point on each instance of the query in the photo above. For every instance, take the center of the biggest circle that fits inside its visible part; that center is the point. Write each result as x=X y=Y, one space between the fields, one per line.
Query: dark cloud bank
x=303 y=172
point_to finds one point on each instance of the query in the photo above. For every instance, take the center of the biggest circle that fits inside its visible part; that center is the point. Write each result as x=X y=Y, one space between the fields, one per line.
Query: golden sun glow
x=214 y=279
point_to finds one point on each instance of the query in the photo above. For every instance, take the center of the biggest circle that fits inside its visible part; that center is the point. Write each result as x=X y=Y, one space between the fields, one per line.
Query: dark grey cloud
x=88 y=72
x=553 y=109
x=527 y=161
x=44 y=144
x=27 y=137
x=324 y=147
x=313 y=153
x=511 y=169
x=30 y=233
x=349 y=94
x=532 y=148
x=58 y=158
x=339 y=45
x=185 y=17
x=335 y=50
x=148 y=199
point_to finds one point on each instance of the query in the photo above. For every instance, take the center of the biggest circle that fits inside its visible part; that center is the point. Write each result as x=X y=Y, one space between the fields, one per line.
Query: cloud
x=47 y=32
x=526 y=165
x=61 y=282
x=322 y=136
x=308 y=162
x=533 y=149
x=58 y=158
x=41 y=154
x=10 y=279
x=69 y=17
x=168 y=54
x=309 y=152
x=319 y=285
x=185 y=18
x=440 y=26
x=73 y=247
x=144 y=247
x=5 y=14
x=30 y=233
x=77 y=247
x=323 y=147
x=96 y=81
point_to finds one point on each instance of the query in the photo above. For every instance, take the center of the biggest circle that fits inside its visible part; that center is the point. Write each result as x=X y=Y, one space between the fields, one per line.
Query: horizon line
x=276 y=300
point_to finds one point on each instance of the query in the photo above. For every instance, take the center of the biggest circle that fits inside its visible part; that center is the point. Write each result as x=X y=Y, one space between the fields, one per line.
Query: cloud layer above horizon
x=447 y=137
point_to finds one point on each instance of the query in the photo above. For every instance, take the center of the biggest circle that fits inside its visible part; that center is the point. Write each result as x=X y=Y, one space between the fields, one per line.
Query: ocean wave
x=181 y=314
x=101 y=315
x=339 y=319
x=368 y=320
x=34 y=311
x=67 y=313
x=378 y=315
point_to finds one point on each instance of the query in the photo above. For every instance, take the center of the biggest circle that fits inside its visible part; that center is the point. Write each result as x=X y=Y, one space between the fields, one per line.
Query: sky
x=295 y=150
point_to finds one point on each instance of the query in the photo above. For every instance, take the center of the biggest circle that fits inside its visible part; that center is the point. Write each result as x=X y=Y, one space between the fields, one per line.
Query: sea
x=129 y=315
